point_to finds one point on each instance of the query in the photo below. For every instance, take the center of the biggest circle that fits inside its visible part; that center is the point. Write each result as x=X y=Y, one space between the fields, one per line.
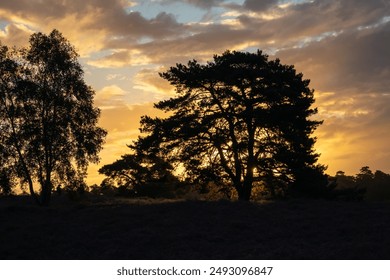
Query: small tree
x=239 y=120
x=377 y=184
x=136 y=172
x=48 y=115
x=365 y=175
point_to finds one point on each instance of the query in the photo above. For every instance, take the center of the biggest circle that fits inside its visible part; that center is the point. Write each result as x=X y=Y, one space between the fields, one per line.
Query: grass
x=168 y=229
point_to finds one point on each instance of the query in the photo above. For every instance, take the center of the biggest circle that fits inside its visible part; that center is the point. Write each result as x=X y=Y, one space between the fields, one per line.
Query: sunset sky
x=342 y=46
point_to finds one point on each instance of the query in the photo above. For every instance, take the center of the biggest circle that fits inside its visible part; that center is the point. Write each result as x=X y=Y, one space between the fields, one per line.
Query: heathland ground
x=99 y=228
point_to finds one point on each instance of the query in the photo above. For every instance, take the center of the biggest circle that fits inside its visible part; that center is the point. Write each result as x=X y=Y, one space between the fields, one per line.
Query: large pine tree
x=241 y=120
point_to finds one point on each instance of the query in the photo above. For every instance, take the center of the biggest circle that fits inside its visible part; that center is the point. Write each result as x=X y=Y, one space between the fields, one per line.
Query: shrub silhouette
x=379 y=187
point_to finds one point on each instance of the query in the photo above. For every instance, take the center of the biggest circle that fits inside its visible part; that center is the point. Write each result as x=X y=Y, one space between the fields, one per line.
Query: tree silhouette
x=365 y=175
x=240 y=120
x=135 y=172
x=364 y=185
x=8 y=68
x=6 y=181
x=47 y=114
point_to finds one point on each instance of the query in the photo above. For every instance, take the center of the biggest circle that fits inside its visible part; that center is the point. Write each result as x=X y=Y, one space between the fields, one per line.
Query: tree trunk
x=28 y=178
x=32 y=192
x=46 y=192
x=244 y=191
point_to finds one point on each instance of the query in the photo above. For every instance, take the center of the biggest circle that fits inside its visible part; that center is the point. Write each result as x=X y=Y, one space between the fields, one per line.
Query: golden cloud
x=149 y=80
x=15 y=34
x=121 y=58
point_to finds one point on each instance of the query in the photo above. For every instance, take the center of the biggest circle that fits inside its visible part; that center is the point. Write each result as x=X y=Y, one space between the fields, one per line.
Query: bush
x=6 y=184
x=379 y=190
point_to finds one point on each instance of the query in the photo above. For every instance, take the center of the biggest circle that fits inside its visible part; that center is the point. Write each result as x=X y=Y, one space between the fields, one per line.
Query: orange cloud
x=15 y=34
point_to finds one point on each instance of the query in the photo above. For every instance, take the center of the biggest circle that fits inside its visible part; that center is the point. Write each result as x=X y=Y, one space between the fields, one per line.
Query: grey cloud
x=358 y=49
x=107 y=15
x=135 y=26
x=201 y=46
x=57 y=8
x=124 y=29
x=207 y=41
x=344 y=14
x=203 y=4
x=262 y=5
x=315 y=19
x=43 y=9
x=357 y=60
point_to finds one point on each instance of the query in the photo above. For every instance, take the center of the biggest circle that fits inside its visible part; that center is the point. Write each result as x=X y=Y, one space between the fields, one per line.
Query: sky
x=342 y=46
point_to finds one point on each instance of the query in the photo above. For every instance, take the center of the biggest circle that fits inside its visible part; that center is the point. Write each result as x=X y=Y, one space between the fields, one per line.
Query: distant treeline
x=364 y=185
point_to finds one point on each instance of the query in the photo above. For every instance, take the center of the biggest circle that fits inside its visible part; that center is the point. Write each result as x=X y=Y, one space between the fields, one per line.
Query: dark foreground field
x=194 y=230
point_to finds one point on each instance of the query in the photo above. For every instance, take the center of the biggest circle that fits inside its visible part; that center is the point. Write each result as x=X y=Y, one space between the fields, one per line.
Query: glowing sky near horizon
x=343 y=47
